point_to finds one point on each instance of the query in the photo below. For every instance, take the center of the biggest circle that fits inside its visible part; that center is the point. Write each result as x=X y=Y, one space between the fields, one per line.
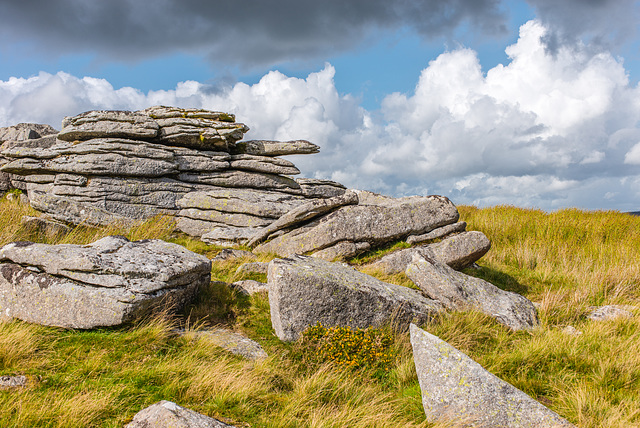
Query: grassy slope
x=566 y=261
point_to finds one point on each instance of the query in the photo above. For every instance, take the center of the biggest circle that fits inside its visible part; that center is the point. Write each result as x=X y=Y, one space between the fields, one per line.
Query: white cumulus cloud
x=547 y=130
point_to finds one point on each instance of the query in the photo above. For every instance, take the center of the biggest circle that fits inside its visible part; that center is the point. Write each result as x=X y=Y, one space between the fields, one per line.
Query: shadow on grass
x=499 y=279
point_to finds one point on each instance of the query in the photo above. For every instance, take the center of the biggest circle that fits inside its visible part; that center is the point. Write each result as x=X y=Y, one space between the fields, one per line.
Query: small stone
x=230 y=253
x=571 y=330
x=7 y=382
x=610 y=312
x=166 y=414
x=231 y=341
x=249 y=287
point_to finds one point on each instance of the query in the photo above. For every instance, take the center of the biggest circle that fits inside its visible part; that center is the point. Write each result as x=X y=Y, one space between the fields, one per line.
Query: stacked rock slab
x=24 y=134
x=118 y=166
x=106 y=283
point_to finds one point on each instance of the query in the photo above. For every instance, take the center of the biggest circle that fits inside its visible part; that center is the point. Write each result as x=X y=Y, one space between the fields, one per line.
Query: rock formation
x=305 y=290
x=121 y=166
x=106 y=283
x=456 y=388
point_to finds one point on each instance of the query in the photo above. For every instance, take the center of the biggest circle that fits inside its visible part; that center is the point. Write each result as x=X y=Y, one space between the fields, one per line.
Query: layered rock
x=457 y=389
x=304 y=291
x=119 y=166
x=106 y=283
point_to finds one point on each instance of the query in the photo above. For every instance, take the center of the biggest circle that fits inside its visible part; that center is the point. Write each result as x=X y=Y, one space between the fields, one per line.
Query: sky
x=530 y=103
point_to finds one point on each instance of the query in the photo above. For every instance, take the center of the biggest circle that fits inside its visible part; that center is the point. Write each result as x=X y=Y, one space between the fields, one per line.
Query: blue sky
x=530 y=103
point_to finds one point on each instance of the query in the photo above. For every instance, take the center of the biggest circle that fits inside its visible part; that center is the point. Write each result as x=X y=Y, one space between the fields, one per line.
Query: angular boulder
x=456 y=388
x=379 y=221
x=457 y=251
x=108 y=282
x=304 y=291
x=166 y=414
x=457 y=291
x=231 y=341
x=438 y=233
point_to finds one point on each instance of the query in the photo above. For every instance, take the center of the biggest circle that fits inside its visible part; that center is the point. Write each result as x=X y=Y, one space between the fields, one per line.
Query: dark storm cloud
x=245 y=33
x=604 y=23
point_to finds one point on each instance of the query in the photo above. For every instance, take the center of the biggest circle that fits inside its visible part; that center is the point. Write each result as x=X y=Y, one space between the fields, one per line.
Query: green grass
x=565 y=261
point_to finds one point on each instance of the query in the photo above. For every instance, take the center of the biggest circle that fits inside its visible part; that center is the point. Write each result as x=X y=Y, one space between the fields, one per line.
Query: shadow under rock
x=500 y=279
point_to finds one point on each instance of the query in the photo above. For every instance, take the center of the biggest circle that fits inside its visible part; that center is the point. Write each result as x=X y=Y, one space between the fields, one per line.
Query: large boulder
x=304 y=291
x=456 y=388
x=374 y=220
x=166 y=414
x=108 y=282
x=457 y=291
x=457 y=251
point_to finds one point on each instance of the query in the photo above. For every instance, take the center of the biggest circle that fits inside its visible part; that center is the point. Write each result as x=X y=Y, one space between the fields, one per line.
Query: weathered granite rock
x=610 y=312
x=229 y=254
x=249 y=287
x=105 y=283
x=389 y=220
x=457 y=388
x=260 y=203
x=108 y=124
x=457 y=291
x=237 y=179
x=303 y=213
x=304 y=291
x=222 y=236
x=25 y=131
x=45 y=226
x=166 y=414
x=438 y=233
x=342 y=250
x=461 y=250
x=264 y=164
x=166 y=112
x=8 y=382
x=253 y=267
x=276 y=148
x=314 y=188
x=457 y=251
x=231 y=341
x=199 y=133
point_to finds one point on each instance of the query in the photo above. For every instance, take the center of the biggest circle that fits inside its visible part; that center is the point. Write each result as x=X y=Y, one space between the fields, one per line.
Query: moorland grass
x=565 y=261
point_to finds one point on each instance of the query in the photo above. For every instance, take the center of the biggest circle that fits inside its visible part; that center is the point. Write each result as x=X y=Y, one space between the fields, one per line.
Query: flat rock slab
x=438 y=233
x=108 y=123
x=457 y=291
x=304 y=291
x=166 y=414
x=231 y=341
x=276 y=148
x=249 y=287
x=105 y=283
x=389 y=220
x=456 y=388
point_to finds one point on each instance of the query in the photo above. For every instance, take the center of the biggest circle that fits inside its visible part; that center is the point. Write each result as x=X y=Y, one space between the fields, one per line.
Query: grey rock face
x=25 y=131
x=105 y=283
x=457 y=388
x=108 y=124
x=376 y=224
x=45 y=226
x=276 y=148
x=304 y=213
x=164 y=112
x=314 y=188
x=249 y=287
x=458 y=291
x=166 y=414
x=223 y=236
x=264 y=164
x=231 y=341
x=457 y=251
x=342 y=250
x=229 y=254
x=438 y=233
x=461 y=250
x=304 y=291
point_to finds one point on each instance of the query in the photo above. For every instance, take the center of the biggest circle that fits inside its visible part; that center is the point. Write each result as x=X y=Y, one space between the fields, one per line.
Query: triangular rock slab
x=305 y=290
x=455 y=387
x=458 y=291
x=166 y=414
